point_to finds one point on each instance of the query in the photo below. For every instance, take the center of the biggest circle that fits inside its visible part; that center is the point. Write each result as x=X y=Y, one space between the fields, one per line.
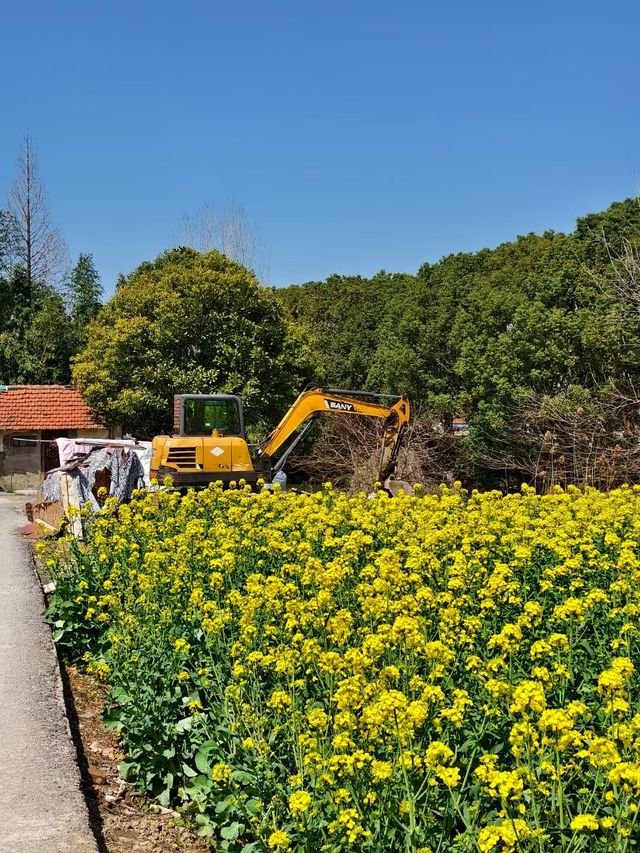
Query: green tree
x=604 y=234
x=187 y=323
x=475 y=331
x=36 y=339
x=48 y=344
x=19 y=303
x=8 y=242
x=341 y=320
x=84 y=294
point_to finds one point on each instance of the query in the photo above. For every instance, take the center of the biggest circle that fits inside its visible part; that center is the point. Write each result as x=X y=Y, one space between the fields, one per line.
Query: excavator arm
x=313 y=403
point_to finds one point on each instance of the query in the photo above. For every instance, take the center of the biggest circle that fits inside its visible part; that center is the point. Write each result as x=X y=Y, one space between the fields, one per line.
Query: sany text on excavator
x=209 y=442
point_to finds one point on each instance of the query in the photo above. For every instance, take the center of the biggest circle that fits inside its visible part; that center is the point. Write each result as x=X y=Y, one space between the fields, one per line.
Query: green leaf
x=253 y=806
x=199 y=785
x=243 y=777
x=231 y=832
x=128 y=770
x=203 y=755
x=119 y=695
x=204 y=826
x=164 y=798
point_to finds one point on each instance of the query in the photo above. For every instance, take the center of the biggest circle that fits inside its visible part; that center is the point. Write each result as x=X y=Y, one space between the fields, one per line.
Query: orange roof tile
x=40 y=407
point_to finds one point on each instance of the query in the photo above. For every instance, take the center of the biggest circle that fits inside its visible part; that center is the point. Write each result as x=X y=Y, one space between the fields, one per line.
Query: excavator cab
x=200 y=414
x=208 y=442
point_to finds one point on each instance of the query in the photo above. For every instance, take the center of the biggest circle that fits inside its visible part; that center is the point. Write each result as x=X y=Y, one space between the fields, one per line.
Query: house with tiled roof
x=31 y=418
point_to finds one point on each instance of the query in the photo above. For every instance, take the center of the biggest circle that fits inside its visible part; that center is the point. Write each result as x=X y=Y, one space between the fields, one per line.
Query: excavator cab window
x=204 y=415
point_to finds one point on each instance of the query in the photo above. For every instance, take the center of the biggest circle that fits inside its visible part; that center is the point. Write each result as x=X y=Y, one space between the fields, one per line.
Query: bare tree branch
x=40 y=246
x=347 y=449
x=625 y=279
x=227 y=229
x=556 y=440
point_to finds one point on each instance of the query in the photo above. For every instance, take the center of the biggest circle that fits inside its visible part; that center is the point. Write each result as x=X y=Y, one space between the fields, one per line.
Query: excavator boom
x=314 y=402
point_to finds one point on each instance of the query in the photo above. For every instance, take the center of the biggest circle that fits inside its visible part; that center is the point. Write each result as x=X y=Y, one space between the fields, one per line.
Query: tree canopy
x=84 y=295
x=187 y=323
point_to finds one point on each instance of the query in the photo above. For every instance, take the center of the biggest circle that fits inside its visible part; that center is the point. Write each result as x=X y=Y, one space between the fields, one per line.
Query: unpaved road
x=42 y=809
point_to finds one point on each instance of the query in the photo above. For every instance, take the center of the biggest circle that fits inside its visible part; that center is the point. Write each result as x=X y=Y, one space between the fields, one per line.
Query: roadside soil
x=122 y=823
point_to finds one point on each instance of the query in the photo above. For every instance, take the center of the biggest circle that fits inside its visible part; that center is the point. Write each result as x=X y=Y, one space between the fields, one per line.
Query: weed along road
x=41 y=805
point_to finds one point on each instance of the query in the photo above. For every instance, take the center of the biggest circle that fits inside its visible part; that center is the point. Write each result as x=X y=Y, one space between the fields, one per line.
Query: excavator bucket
x=393 y=487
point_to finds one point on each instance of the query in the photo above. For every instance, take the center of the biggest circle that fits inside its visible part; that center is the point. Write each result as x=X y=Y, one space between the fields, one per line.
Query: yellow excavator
x=209 y=442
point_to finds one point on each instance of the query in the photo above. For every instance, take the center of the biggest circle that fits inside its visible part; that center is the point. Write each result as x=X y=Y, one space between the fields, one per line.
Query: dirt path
x=41 y=805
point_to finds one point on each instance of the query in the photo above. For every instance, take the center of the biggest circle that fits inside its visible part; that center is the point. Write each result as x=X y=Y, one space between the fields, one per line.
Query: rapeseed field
x=449 y=672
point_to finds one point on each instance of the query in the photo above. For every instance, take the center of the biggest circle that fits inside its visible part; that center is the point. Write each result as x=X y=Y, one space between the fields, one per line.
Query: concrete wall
x=20 y=465
x=90 y=433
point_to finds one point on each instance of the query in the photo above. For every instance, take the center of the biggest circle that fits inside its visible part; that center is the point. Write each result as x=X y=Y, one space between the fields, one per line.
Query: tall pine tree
x=84 y=291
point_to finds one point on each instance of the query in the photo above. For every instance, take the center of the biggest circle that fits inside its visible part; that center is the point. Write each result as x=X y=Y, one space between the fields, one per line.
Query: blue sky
x=356 y=135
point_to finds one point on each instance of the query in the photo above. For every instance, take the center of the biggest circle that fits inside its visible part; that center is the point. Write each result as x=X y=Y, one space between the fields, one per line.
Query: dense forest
x=535 y=344
x=531 y=348
x=468 y=331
